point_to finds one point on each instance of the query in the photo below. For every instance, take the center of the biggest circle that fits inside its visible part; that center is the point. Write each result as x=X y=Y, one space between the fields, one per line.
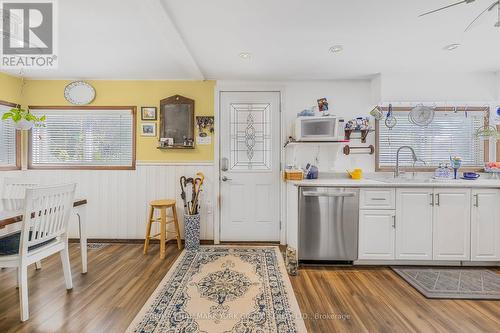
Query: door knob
x=225 y=179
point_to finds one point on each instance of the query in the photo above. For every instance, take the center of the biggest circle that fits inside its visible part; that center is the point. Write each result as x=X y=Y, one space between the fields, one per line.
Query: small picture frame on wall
x=149 y=113
x=148 y=129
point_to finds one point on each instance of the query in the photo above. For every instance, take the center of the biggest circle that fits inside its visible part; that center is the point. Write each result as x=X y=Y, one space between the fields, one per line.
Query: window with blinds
x=449 y=134
x=8 y=143
x=84 y=137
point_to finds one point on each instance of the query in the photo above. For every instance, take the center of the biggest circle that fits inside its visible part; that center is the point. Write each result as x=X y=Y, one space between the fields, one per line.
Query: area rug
x=452 y=283
x=223 y=289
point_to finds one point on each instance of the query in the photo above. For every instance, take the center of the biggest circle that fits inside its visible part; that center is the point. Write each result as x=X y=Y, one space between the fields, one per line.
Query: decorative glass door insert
x=251 y=136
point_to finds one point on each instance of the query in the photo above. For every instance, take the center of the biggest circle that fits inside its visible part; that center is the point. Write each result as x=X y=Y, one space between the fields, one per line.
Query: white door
x=250 y=166
x=451 y=224
x=376 y=234
x=414 y=224
x=485 y=225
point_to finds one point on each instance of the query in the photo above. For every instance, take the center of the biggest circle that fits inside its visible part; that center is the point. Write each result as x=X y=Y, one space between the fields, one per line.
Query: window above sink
x=451 y=133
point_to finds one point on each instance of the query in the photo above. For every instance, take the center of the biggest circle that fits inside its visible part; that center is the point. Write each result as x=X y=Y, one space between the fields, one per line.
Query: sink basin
x=418 y=180
x=404 y=180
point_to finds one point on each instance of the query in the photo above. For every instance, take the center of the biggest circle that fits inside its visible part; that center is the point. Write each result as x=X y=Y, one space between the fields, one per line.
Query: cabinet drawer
x=381 y=198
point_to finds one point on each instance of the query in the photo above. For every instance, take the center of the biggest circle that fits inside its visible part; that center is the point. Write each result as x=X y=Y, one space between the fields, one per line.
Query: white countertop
x=423 y=182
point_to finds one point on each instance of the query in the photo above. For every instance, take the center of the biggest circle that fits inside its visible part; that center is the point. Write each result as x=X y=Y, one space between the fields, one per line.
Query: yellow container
x=294 y=175
x=356 y=174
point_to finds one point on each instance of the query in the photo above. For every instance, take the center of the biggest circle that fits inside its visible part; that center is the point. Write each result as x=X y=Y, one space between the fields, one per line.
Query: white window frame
x=133 y=111
x=17 y=166
x=378 y=168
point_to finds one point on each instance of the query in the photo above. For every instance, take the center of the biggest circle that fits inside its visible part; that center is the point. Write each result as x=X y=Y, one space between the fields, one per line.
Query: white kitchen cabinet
x=414 y=210
x=485 y=225
x=451 y=224
x=377 y=198
x=376 y=234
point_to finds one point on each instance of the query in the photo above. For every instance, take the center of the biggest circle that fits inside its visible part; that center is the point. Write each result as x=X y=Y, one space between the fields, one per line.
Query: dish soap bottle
x=440 y=171
x=448 y=171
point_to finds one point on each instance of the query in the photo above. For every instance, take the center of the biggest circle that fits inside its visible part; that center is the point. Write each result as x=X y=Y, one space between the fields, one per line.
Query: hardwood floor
x=120 y=280
x=375 y=299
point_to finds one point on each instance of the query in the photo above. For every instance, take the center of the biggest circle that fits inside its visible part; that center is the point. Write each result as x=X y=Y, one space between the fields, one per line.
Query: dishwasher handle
x=331 y=195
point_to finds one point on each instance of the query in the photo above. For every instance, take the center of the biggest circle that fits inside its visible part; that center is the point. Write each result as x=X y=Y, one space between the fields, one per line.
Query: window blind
x=449 y=134
x=7 y=140
x=87 y=138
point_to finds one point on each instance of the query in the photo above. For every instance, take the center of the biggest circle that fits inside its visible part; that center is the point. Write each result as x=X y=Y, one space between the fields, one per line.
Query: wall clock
x=79 y=93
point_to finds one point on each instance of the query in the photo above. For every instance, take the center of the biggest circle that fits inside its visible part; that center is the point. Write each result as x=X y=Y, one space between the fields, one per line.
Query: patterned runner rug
x=223 y=289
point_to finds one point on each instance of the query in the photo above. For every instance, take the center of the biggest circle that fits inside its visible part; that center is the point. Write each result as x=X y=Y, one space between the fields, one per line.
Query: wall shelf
x=315 y=143
x=175 y=147
x=362 y=137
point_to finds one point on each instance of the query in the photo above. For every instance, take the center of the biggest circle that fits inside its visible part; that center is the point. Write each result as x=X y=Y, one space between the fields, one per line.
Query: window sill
x=10 y=168
x=79 y=167
x=426 y=169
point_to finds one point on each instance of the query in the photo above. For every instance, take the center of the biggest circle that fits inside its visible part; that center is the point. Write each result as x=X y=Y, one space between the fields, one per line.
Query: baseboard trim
x=132 y=241
x=425 y=263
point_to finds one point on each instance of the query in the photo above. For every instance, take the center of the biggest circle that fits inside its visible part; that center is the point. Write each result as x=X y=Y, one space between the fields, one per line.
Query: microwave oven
x=319 y=128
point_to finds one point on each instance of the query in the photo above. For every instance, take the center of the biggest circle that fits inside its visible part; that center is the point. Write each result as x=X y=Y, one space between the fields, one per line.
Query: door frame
x=242 y=86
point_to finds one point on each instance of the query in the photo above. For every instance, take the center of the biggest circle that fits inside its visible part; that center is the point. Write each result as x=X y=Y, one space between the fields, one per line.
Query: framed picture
x=322 y=104
x=148 y=129
x=148 y=113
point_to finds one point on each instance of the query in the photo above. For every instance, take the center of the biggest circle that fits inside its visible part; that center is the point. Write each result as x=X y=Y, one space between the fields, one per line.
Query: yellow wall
x=135 y=93
x=10 y=88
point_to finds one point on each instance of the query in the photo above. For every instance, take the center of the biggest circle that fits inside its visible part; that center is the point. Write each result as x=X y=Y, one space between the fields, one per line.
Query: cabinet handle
x=432 y=199
x=378 y=199
x=476 y=203
x=394 y=221
x=438 y=201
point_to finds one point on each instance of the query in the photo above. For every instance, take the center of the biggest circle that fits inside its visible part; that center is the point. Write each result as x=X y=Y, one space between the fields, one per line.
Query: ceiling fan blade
x=489 y=9
x=446 y=7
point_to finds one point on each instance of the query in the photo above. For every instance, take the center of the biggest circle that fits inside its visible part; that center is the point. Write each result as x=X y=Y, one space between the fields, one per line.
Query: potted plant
x=23 y=120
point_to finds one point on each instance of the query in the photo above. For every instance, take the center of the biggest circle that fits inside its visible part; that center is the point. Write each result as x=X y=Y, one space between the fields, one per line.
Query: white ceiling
x=288 y=39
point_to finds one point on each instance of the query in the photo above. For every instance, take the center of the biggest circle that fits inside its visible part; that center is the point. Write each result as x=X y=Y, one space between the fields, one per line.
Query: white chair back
x=46 y=215
x=15 y=188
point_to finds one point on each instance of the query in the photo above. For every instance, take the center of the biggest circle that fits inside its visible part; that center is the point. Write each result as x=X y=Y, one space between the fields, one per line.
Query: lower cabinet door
x=485 y=225
x=414 y=223
x=376 y=234
x=451 y=224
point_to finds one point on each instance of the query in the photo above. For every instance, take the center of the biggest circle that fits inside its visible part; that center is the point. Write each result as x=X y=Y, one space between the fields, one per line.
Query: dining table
x=11 y=217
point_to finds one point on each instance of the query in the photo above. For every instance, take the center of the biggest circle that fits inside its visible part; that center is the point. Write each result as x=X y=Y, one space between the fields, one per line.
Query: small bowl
x=471 y=175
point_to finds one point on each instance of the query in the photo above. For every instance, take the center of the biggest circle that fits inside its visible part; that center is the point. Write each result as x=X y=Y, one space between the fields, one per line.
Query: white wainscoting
x=118 y=200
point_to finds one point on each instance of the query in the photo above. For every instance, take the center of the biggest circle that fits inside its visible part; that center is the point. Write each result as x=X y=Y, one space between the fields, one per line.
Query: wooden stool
x=162 y=205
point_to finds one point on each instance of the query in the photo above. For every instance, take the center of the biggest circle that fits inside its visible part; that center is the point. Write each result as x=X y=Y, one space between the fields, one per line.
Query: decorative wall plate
x=79 y=93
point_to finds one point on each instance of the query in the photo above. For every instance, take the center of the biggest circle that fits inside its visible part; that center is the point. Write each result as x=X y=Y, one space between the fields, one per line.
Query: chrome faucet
x=415 y=159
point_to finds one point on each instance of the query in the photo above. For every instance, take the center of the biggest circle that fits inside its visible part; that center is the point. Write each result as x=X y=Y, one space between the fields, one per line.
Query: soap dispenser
x=438 y=173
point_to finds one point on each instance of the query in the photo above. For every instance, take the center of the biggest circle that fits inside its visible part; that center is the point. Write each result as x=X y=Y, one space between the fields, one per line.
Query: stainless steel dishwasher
x=328 y=224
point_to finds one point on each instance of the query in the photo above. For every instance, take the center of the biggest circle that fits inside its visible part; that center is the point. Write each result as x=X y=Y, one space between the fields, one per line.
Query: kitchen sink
x=404 y=180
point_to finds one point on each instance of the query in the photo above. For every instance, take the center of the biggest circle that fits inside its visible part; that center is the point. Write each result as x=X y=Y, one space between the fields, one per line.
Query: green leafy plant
x=17 y=114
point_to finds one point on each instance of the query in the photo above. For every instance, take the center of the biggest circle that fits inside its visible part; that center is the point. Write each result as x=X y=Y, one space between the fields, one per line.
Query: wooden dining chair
x=44 y=232
x=15 y=188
